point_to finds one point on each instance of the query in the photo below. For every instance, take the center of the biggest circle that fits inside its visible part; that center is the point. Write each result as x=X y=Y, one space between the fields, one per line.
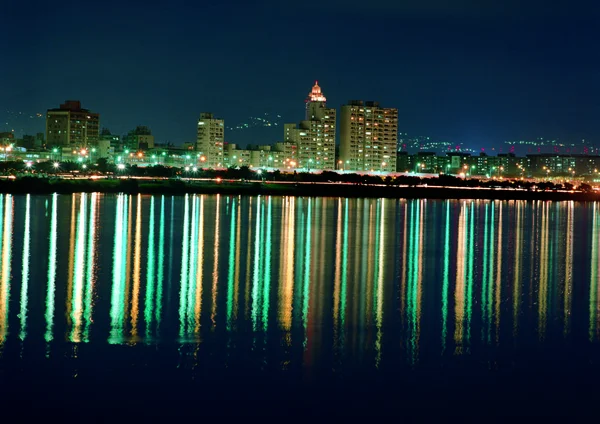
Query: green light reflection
x=117 y=310
x=231 y=265
x=161 y=265
x=486 y=282
x=446 y=278
x=91 y=266
x=6 y=267
x=470 y=271
x=267 y=267
x=192 y=267
x=78 y=272
x=256 y=274
x=185 y=246
x=413 y=282
x=149 y=301
x=307 y=258
x=50 y=301
x=25 y=269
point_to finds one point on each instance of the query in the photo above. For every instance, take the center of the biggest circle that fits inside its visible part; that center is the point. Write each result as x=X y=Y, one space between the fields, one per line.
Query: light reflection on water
x=369 y=281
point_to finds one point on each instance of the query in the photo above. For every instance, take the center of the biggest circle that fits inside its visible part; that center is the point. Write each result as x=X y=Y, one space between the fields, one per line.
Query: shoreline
x=181 y=187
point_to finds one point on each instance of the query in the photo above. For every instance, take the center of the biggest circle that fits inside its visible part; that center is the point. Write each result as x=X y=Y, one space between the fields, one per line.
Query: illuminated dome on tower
x=316 y=95
x=315 y=100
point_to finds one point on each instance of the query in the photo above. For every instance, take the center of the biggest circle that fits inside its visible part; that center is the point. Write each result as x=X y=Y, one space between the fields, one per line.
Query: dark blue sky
x=466 y=70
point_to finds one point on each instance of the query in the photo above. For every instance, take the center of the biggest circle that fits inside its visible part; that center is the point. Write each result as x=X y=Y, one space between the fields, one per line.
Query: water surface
x=382 y=301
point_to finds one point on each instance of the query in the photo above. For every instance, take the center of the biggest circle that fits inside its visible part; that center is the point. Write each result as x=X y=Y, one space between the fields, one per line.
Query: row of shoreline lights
x=84 y=154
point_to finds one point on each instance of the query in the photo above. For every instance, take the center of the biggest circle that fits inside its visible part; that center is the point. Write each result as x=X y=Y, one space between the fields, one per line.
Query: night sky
x=470 y=71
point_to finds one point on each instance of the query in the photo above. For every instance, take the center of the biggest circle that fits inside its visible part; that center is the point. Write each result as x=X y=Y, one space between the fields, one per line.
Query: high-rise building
x=315 y=136
x=72 y=126
x=209 y=143
x=368 y=137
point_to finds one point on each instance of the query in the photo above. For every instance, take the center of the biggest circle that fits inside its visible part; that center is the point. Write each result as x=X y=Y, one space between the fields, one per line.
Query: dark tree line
x=244 y=173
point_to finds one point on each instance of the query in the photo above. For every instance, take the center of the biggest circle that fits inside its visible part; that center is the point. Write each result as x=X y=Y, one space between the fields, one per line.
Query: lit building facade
x=314 y=137
x=209 y=143
x=368 y=137
x=71 y=125
x=285 y=156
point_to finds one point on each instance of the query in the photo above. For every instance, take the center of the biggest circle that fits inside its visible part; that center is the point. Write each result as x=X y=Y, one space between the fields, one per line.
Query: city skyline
x=480 y=75
x=405 y=141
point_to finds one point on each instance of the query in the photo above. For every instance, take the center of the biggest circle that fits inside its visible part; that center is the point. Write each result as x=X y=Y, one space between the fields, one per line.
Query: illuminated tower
x=368 y=137
x=314 y=102
x=315 y=136
x=209 y=143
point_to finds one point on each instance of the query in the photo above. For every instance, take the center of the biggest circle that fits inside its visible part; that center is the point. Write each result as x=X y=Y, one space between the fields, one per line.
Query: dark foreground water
x=118 y=307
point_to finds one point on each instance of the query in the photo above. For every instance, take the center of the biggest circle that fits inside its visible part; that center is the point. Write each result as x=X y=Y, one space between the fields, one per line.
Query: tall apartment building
x=315 y=135
x=71 y=125
x=209 y=143
x=368 y=137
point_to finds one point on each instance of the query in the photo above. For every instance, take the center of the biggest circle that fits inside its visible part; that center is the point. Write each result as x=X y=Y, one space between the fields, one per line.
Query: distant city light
x=56 y=165
x=121 y=166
